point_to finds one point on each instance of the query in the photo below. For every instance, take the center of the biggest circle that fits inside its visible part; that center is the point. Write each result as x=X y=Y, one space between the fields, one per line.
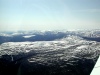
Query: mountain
x=67 y=53
x=22 y=36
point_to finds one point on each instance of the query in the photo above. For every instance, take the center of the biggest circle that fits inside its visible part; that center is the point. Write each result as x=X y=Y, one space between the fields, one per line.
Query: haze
x=49 y=14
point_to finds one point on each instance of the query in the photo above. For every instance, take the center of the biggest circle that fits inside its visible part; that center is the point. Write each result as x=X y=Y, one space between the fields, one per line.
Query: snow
x=81 y=47
x=28 y=36
x=66 y=45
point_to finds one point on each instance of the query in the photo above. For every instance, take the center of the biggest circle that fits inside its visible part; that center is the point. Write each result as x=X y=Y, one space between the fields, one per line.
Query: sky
x=49 y=14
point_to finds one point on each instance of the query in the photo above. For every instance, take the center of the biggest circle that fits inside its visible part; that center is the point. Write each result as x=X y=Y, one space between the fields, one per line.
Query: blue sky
x=49 y=14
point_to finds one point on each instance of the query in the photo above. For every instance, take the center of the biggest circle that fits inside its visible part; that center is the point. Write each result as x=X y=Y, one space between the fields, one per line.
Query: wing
x=96 y=69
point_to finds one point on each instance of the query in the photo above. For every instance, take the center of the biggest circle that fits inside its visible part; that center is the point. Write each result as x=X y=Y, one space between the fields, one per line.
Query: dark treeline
x=92 y=39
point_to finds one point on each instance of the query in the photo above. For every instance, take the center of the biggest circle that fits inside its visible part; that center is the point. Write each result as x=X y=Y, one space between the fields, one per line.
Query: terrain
x=49 y=52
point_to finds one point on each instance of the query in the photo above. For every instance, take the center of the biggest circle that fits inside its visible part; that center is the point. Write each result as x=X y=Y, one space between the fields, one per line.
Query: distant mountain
x=22 y=36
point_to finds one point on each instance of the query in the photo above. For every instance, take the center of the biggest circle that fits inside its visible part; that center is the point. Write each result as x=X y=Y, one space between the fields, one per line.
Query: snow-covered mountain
x=69 y=55
x=22 y=36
